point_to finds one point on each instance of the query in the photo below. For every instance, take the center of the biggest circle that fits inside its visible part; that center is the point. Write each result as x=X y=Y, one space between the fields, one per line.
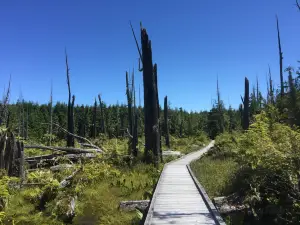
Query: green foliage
x=215 y=175
x=260 y=165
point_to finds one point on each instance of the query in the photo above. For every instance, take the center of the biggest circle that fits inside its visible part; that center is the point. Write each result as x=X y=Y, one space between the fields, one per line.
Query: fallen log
x=61 y=167
x=67 y=181
x=68 y=204
x=53 y=157
x=171 y=153
x=64 y=149
x=226 y=206
x=132 y=205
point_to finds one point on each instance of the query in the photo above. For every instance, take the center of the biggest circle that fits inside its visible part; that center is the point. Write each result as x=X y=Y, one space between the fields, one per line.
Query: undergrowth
x=260 y=166
x=96 y=189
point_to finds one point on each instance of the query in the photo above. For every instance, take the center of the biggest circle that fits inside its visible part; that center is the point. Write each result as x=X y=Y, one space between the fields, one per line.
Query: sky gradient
x=192 y=43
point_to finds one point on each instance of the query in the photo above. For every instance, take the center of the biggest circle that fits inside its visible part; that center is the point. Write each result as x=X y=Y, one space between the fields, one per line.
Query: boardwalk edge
x=211 y=207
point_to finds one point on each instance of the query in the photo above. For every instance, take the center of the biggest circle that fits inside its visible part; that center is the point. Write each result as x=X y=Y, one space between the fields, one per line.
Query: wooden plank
x=176 y=199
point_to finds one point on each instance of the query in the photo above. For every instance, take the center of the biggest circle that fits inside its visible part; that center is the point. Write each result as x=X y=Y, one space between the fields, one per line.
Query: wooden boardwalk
x=176 y=199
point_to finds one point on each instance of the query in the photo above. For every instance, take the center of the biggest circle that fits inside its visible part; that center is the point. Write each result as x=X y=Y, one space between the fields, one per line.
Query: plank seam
x=211 y=207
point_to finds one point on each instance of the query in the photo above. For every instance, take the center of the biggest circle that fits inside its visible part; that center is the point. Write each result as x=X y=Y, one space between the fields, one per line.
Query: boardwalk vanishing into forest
x=179 y=198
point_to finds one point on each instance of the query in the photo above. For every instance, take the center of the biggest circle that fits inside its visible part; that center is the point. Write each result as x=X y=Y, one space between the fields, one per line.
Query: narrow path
x=177 y=199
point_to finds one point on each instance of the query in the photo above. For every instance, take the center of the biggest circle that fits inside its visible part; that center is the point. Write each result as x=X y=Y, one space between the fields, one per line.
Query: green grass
x=99 y=187
x=215 y=175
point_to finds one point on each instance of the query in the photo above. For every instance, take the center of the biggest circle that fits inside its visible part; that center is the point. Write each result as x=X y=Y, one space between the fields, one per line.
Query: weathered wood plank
x=177 y=199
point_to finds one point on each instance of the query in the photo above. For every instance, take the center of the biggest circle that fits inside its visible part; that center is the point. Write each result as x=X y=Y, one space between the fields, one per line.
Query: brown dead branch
x=76 y=136
x=65 y=182
x=137 y=45
x=64 y=149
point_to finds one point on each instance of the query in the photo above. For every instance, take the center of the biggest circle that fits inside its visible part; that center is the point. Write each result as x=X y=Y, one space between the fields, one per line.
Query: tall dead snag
x=280 y=60
x=94 y=127
x=102 y=115
x=158 y=108
x=2 y=150
x=129 y=104
x=132 y=116
x=181 y=122
x=135 y=121
x=3 y=106
x=51 y=113
x=246 y=106
x=166 y=122
x=271 y=88
x=152 y=145
x=70 y=138
x=11 y=155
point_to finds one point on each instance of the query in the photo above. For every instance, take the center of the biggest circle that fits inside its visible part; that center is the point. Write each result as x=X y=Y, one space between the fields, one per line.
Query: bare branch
x=127 y=132
x=76 y=136
x=64 y=149
x=65 y=182
x=137 y=45
x=68 y=75
x=297 y=4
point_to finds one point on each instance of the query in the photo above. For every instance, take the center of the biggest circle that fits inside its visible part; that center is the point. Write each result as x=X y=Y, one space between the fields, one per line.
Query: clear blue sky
x=192 y=42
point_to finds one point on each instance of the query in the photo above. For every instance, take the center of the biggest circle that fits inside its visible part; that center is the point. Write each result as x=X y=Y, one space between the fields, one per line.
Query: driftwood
x=226 y=206
x=61 y=167
x=68 y=203
x=132 y=205
x=67 y=181
x=65 y=149
x=53 y=157
x=169 y=152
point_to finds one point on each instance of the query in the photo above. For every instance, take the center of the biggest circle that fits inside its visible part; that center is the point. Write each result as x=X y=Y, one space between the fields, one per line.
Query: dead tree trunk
x=181 y=122
x=280 y=60
x=21 y=160
x=102 y=115
x=129 y=107
x=135 y=122
x=11 y=155
x=158 y=109
x=3 y=107
x=94 y=127
x=246 y=106
x=152 y=146
x=27 y=118
x=2 y=150
x=70 y=138
x=166 y=122
x=51 y=115
x=135 y=136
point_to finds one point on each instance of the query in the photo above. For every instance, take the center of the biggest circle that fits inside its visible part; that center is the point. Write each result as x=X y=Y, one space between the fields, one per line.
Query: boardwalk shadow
x=173 y=216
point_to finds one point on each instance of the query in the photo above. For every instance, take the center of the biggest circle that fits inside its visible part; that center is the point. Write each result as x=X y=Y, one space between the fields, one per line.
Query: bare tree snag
x=2 y=150
x=271 y=88
x=76 y=136
x=166 y=122
x=246 y=106
x=51 y=115
x=70 y=138
x=3 y=107
x=94 y=127
x=280 y=60
x=158 y=109
x=152 y=145
x=102 y=115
